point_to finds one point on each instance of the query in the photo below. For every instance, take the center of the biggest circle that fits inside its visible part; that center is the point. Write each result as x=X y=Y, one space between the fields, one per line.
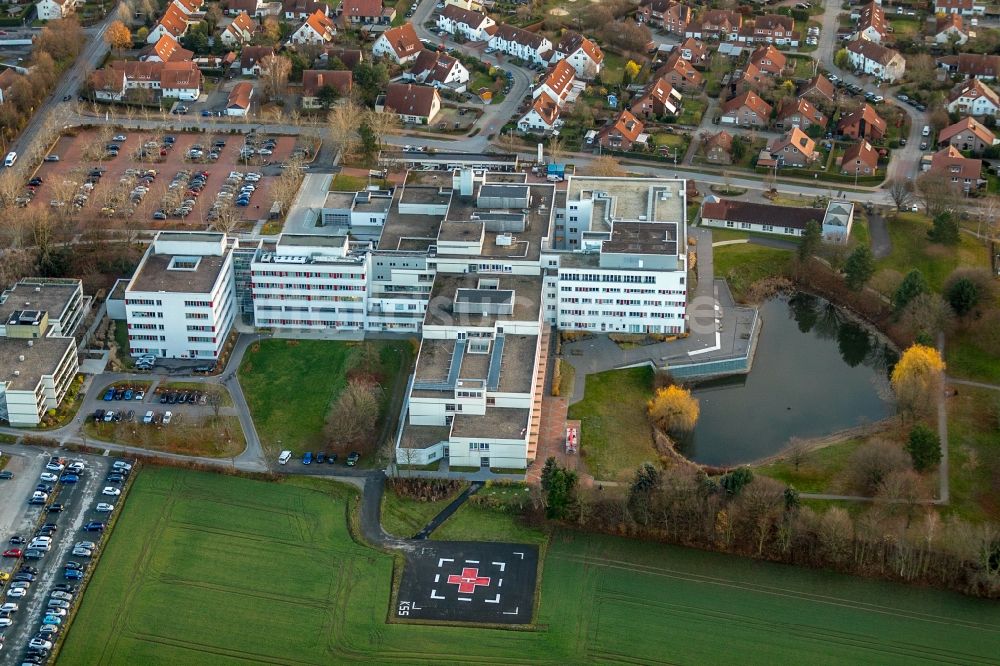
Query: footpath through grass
x=404 y=517
x=204 y=568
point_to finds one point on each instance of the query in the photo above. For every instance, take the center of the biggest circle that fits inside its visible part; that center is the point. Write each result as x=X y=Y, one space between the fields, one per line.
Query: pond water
x=815 y=372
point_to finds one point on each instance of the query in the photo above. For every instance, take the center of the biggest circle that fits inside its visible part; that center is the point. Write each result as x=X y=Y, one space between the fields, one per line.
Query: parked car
x=352 y=458
x=94 y=526
x=108 y=490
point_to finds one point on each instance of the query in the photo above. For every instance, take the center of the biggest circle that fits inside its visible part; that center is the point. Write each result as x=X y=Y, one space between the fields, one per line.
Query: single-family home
x=862 y=123
x=751 y=77
x=963 y=7
x=317 y=29
x=670 y=15
x=349 y=57
x=950 y=29
x=972 y=65
x=769 y=59
x=558 y=84
x=719 y=148
x=434 y=68
x=238 y=103
x=300 y=10
x=818 y=90
x=680 y=73
x=694 y=51
x=658 y=99
x=770 y=28
x=871 y=24
x=314 y=80
x=746 y=110
x=174 y=22
x=764 y=218
x=721 y=24
x=166 y=49
x=583 y=54
x=964 y=173
x=190 y=7
x=399 y=44
x=879 y=61
x=239 y=32
x=623 y=133
x=542 y=116
x=794 y=148
x=799 y=112
x=470 y=5
x=974 y=98
x=413 y=103
x=253 y=8
x=50 y=10
x=250 y=58
x=362 y=12
x=523 y=44
x=968 y=135
x=471 y=25
x=860 y=159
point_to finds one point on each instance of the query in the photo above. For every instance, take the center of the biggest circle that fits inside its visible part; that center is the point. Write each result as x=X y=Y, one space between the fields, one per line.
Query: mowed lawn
x=205 y=568
x=742 y=265
x=615 y=436
x=290 y=385
x=911 y=249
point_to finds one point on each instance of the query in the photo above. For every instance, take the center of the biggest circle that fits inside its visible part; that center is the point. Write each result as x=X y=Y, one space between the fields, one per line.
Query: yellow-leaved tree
x=918 y=379
x=674 y=410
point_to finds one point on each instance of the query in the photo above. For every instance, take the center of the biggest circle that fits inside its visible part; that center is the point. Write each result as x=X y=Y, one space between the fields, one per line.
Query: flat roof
x=496 y=423
x=51 y=297
x=409 y=233
x=451 y=157
x=342 y=200
x=434 y=360
x=155 y=276
x=42 y=357
x=422 y=436
x=429 y=194
x=517 y=367
x=460 y=231
x=642 y=238
x=527 y=298
x=645 y=199
x=191 y=236
x=526 y=244
x=309 y=240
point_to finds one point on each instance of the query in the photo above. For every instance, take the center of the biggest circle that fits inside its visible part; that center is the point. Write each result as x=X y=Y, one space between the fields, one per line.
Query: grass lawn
x=402 y=6
x=121 y=339
x=475 y=523
x=904 y=28
x=692 y=112
x=911 y=249
x=804 y=67
x=816 y=471
x=290 y=385
x=343 y=182
x=614 y=69
x=172 y=588
x=973 y=433
x=404 y=517
x=615 y=436
x=567 y=378
x=210 y=436
x=742 y=265
x=669 y=140
x=968 y=360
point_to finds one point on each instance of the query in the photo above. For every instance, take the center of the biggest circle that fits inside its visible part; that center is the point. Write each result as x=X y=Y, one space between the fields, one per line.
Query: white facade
x=181 y=301
x=50 y=10
x=522 y=50
x=974 y=105
x=35 y=377
x=474 y=33
x=892 y=70
x=383 y=48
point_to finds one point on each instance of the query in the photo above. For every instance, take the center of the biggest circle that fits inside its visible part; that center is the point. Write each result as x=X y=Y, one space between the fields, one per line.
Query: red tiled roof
x=755 y=213
x=174 y=20
x=547 y=108
x=466 y=16
x=560 y=78
x=572 y=42
x=409 y=99
x=362 y=8
x=861 y=151
x=251 y=55
x=951 y=163
x=240 y=95
x=820 y=85
x=972 y=125
x=751 y=100
x=626 y=125
x=403 y=40
x=169 y=49
x=866 y=113
x=975 y=89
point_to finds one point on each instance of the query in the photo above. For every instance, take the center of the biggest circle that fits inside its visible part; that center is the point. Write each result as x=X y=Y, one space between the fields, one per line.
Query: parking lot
x=131 y=401
x=50 y=591
x=113 y=185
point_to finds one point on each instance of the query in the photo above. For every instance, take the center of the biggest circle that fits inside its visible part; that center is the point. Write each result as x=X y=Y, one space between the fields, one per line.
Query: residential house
x=670 y=15
x=963 y=7
x=174 y=23
x=770 y=28
x=769 y=60
x=471 y=25
x=746 y=110
x=252 y=8
x=721 y=24
x=694 y=51
x=543 y=116
x=624 y=132
x=583 y=54
x=794 y=148
x=468 y=5
x=300 y=10
x=751 y=77
x=658 y=99
x=317 y=29
x=968 y=135
x=862 y=123
x=50 y=10
x=239 y=32
x=719 y=148
x=764 y=218
x=250 y=58
x=413 y=103
x=7 y=79
x=434 y=68
x=558 y=84
x=871 y=58
x=871 y=24
x=166 y=49
x=349 y=57
x=238 y=103
x=818 y=90
x=972 y=65
x=964 y=173
x=399 y=44
x=799 y=112
x=190 y=7
x=362 y=12
x=860 y=159
x=528 y=46
x=680 y=73
x=974 y=98
x=314 y=80
x=949 y=29
x=179 y=80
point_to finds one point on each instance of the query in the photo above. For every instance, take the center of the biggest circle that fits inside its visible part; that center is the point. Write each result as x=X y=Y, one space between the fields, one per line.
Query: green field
x=203 y=568
x=911 y=249
x=742 y=265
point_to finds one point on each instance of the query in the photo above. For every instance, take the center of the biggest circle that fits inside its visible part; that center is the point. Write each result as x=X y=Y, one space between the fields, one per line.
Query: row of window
x=310 y=287
x=619 y=314
x=608 y=277
x=142 y=301
x=310 y=274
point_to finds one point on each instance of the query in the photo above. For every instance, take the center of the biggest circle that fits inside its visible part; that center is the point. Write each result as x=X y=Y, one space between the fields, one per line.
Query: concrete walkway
x=447 y=512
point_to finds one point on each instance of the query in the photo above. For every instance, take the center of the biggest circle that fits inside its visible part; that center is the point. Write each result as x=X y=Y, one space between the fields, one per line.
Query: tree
x=118 y=36
x=921 y=69
x=918 y=379
x=674 y=410
x=872 y=462
x=628 y=35
x=557 y=149
x=632 y=69
x=924 y=447
x=935 y=192
x=327 y=96
x=640 y=496
x=840 y=58
x=912 y=286
x=859 y=268
x=342 y=123
x=274 y=71
x=944 y=229
x=354 y=415
x=271 y=29
x=733 y=482
x=370 y=79
x=927 y=315
x=964 y=292
x=381 y=125
x=369 y=144
x=811 y=239
x=606 y=166
x=559 y=490
x=213 y=16
x=901 y=192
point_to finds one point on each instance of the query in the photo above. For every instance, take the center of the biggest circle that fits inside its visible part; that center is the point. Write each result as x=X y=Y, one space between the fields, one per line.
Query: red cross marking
x=468 y=580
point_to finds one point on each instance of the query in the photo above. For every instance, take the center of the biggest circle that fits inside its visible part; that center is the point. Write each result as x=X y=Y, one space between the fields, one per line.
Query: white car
x=119 y=464
x=49 y=476
x=9 y=607
x=139 y=395
x=56 y=612
x=119 y=137
x=148 y=418
x=55 y=467
x=85 y=544
x=65 y=596
x=82 y=552
x=5 y=622
x=16 y=592
x=108 y=490
x=104 y=507
x=166 y=417
x=39 y=643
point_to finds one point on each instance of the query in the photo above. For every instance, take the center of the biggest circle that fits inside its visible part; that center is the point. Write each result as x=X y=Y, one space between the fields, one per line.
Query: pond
x=815 y=372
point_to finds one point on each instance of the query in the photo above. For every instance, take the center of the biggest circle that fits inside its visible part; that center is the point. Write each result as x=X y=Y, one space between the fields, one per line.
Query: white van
x=284 y=457
x=926 y=131
x=10 y=159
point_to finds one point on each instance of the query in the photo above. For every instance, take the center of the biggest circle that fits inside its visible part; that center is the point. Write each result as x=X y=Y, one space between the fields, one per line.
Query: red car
x=12 y=552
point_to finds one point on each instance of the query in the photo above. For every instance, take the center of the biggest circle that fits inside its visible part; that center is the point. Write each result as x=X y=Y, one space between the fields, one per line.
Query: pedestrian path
x=447 y=512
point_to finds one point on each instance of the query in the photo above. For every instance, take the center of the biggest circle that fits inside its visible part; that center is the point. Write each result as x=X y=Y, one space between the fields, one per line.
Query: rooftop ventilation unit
x=505 y=239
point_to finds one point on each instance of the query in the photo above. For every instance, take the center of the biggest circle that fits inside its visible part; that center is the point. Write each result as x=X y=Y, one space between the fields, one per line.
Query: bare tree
x=796 y=453
x=228 y=217
x=604 y=165
x=935 y=192
x=381 y=124
x=901 y=192
x=354 y=415
x=274 y=71
x=342 y=126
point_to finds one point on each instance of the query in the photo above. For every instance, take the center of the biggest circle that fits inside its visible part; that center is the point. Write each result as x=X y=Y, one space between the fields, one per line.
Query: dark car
x=320 y=458
x=64 y=587
x=17 y=540
x=119 y=394
x=115 y=478
x=73 y=574
x=43 y=488
x=74 y=565
x=6 y=474
x=56 y=508
x=171 y=398
x=94 y=526
x=163 y=399
x=205 y=369
x=331 y=458
x=26 y=569
x=99 y=414
x=352 y=458
x=23 y=577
